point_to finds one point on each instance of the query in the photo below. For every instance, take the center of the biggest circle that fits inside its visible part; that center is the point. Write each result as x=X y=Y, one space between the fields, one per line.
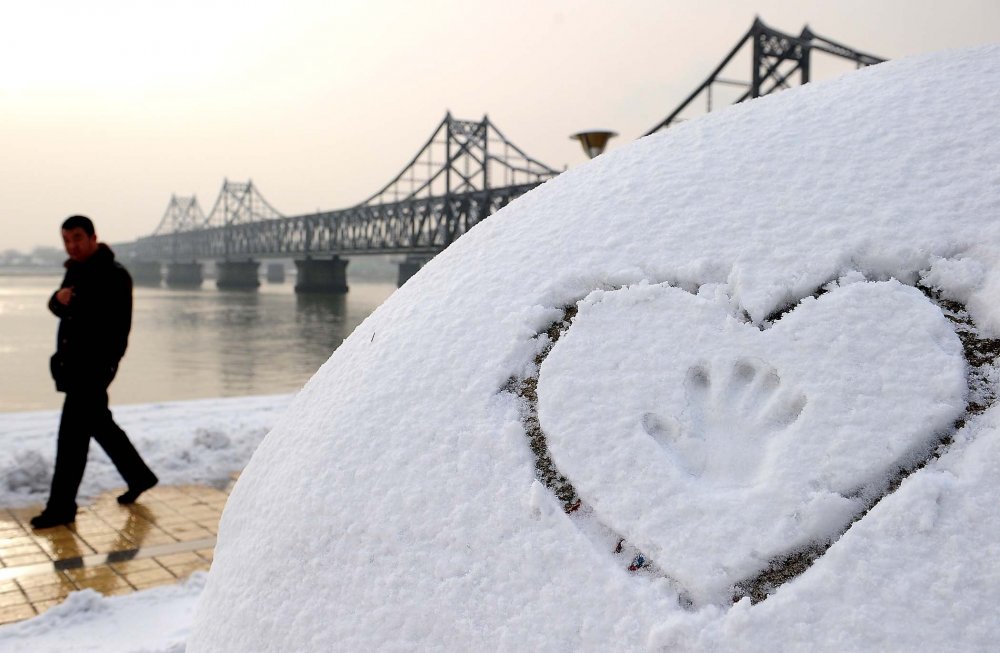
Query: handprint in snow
x=734 y=411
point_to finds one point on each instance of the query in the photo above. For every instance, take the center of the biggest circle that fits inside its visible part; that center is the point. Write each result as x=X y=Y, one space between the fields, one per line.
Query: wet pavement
x=163 y=538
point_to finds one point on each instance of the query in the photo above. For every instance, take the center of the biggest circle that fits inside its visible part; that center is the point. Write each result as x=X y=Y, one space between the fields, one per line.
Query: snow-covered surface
x=184 y=442
x=155 y=620
x=400 y=488
x=202 y=441
x=770 y=433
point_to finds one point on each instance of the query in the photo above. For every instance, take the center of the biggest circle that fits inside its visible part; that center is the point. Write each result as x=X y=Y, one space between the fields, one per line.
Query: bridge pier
x=236 y=275
x=145 y=273
x=276 y=273
x=321 y=275
x=184 y=275
x=410 y=266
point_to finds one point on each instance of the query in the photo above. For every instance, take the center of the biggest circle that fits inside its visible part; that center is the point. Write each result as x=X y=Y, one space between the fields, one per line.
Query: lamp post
x=594 y=142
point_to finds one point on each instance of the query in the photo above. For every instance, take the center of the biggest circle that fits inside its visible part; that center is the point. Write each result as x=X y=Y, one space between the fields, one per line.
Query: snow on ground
x=203 y=441
x=154 y=620
x=185 y=442
x=752 y=367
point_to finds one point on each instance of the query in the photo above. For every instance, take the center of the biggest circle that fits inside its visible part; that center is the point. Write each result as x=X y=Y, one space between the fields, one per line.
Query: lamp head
x=594 y=142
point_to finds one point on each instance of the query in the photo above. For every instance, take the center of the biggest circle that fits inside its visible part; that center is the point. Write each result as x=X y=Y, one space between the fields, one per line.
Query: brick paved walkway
x=113 y=549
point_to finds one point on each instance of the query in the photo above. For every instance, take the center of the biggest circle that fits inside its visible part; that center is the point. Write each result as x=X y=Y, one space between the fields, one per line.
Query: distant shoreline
x=30 y=271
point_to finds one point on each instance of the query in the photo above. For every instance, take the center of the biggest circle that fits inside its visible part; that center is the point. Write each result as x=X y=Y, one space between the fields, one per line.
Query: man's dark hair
x=79 y=222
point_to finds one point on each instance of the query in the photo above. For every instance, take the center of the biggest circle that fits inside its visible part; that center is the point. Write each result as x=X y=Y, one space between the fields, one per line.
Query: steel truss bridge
x=465 y=171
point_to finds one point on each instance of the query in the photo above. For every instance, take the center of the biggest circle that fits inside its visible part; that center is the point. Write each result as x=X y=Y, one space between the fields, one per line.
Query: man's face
x=78 y=244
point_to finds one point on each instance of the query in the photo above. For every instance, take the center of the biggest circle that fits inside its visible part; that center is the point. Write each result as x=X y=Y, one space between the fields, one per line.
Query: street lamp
x=594 y=142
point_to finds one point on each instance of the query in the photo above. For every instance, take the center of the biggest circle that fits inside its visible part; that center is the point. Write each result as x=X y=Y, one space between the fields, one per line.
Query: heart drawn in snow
x=715 y=447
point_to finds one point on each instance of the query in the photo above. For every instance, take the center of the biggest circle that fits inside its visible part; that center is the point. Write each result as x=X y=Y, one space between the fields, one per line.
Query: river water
x=186 y=344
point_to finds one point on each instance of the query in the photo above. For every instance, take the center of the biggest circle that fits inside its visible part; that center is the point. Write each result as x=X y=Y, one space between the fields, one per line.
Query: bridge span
x=466 y=171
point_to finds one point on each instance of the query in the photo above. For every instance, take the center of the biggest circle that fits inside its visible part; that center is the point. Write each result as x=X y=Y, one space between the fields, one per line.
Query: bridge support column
x=236 y=275
x=184 y=275
x=145 y=273
x=276 y=273
x=410 y=266
x=321 y=275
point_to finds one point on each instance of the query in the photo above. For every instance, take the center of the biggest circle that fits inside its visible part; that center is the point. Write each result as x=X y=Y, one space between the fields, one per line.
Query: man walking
x=94 y=306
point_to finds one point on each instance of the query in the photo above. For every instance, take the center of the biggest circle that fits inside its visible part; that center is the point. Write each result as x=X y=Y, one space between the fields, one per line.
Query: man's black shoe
x=51 y=519
x=133 y=493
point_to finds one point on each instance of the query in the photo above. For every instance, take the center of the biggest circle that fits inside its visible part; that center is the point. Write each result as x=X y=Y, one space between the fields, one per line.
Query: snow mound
x=750 y=355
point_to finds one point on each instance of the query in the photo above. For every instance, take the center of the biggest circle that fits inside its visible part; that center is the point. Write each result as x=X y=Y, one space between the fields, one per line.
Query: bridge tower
x=237 y=208
x=465 y=171
x=775 y=58
x=183 y=215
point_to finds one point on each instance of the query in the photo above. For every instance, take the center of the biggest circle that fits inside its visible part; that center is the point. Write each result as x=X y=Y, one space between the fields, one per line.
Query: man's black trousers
x=86 y=415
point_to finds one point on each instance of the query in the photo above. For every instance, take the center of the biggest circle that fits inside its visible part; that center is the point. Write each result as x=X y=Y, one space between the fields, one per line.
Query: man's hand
x=64 y=295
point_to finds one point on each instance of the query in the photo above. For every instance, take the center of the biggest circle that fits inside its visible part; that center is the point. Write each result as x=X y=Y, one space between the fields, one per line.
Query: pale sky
x=110 y=106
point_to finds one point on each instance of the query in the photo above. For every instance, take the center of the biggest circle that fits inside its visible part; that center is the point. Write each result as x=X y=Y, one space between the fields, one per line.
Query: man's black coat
x=94 y=327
